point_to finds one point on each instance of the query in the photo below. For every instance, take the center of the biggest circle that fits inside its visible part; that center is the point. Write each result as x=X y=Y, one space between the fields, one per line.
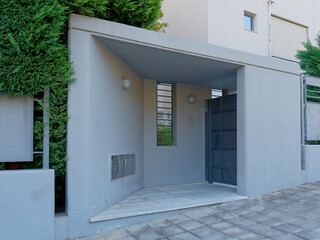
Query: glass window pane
x=164 y=99
x=164 y=122
x=164 y=111
x=248 y=22
x=216 y=93
x=164 y=105
x=164 y=115
x=164 y=93
x=167 y=87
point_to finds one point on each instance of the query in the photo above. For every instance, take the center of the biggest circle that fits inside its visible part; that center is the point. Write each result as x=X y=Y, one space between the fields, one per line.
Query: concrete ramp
x=166 y=199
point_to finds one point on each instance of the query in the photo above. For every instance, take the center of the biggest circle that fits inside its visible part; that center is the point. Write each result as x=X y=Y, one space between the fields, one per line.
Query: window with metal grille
x=312 y=94
x=165 y=114
x=216 y=93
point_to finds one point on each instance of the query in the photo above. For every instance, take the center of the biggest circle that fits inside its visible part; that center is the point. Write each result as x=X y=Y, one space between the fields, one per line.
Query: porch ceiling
x=167 y=65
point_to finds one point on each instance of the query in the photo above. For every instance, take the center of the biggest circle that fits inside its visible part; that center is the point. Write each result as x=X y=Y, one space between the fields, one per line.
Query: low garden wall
x=27 y=204
x=311 y=156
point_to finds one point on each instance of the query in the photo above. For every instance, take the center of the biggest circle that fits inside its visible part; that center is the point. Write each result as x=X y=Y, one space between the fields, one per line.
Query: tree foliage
x=139 y=13
x=90 y=8
x=160 y=25
x=310 y=58
x=31 y=54
x=34 y=57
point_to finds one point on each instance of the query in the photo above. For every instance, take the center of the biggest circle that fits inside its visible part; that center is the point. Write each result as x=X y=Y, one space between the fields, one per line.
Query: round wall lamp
x=125 y=83
x=191 y=99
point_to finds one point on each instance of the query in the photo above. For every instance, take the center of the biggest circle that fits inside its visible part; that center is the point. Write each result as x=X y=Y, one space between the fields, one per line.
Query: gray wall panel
x=16 y=128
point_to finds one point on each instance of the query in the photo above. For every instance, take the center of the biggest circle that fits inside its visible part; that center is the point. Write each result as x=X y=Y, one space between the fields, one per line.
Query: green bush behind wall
x=310 y=57
x=34 y=57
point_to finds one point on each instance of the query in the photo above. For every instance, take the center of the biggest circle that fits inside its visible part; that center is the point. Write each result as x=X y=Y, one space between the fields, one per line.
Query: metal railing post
x=45 y=163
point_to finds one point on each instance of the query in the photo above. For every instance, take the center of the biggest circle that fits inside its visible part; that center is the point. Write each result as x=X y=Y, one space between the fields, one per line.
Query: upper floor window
x=249 y=21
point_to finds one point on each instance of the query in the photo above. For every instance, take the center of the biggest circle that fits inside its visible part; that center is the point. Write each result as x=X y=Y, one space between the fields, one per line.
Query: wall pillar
x=269 y=151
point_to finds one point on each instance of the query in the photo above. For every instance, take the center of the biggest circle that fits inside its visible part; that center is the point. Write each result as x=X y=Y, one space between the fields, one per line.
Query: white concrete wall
x=185 y=162
x=269 y=152
x=61 y=226
x=225 y=21
x=304 y=12
x=27 y=204
x=104 y=120
x=311 y=155
x=16 y=127
x=312 y=112
x=186 y=18
x=312 y=121
x=226 y=25
x=116 y=124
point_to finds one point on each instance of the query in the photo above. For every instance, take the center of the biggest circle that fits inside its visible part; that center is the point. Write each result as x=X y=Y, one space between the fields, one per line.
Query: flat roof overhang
x=169 y=66
x=171 y=59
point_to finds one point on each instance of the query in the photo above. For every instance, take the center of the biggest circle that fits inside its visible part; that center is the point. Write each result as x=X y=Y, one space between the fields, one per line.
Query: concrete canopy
x=171 y=59
x=170 y=66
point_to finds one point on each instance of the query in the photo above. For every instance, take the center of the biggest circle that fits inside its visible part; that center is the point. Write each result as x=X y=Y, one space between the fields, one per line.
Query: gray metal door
x=221 y=140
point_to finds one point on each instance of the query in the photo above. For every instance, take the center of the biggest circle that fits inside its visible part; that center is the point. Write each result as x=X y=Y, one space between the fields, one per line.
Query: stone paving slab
x=284 y=215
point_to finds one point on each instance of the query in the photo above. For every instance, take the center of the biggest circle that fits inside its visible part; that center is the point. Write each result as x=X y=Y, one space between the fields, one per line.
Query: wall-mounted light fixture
x=125 y=83
x=191 y=99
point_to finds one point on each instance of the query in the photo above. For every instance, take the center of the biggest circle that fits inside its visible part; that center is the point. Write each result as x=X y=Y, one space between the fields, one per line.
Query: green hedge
x=139 y=13
x=34 y=57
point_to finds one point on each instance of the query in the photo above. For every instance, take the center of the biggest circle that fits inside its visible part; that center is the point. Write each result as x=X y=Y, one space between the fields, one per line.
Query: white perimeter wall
x=269 y=135
x=27 y=204
x=104 y=120
x=185 y=162
x=311 y=155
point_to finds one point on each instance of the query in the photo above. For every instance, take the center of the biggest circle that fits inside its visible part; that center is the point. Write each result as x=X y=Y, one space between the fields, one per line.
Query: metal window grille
x=312 y=94
x=216 y=93
x=165 y=114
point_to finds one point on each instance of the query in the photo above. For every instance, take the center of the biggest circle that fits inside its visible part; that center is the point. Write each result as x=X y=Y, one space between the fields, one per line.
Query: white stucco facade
x=106 y=120
x=221 y=23
x=182 y=163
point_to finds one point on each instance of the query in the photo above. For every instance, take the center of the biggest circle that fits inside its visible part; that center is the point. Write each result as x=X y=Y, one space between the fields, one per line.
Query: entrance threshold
x=166 y=199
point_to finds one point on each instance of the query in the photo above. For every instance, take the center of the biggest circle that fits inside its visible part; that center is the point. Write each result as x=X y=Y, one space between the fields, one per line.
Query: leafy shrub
x=34 y=57
x=139 y=13
x=310 y=58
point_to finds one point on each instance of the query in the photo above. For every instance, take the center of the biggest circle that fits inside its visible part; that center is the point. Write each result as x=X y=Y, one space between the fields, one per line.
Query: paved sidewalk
x=289 y=214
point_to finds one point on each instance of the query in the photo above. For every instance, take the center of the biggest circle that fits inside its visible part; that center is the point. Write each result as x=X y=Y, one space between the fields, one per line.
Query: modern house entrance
x=220 y=167
x=117 y=170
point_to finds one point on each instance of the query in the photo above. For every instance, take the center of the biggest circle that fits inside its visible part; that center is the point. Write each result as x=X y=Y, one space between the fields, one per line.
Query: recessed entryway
x=172 y=198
